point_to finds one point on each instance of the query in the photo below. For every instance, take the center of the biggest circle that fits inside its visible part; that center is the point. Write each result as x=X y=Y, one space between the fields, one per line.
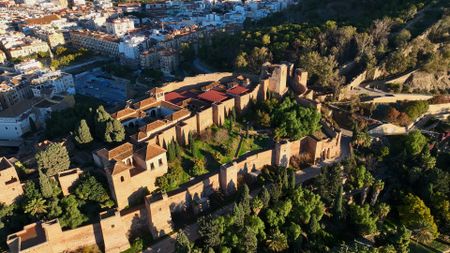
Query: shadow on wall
x=137 y=197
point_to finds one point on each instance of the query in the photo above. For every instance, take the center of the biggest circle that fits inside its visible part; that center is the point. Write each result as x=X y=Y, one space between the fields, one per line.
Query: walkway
x=201 y=67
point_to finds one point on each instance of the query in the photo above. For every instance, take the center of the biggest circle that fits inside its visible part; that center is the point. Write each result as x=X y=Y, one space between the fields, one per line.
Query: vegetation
x=64 y=56
x=53 y=159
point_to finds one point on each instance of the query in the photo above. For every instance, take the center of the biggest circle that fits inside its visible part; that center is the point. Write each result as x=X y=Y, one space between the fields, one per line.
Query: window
x=160 y=162
x=122 y=179
x=152 y=166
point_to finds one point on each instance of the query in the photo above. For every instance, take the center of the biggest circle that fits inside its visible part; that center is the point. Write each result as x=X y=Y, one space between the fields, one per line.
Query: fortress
x=171 y=114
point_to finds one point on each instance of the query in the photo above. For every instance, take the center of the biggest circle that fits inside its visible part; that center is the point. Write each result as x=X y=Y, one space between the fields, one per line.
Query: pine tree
x=82 y=134
x=45 y=185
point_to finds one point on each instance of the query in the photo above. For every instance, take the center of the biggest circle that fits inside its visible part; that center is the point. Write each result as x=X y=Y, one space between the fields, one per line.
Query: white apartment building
x=96 y=41
x=133 y=46
x=18 y=45
x=52 y=83
x=119 y=26
x=15 y=121
x=28 y=66
x=13 y=91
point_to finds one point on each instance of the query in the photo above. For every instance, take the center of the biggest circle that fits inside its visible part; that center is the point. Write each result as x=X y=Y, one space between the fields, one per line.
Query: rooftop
x=213 y=96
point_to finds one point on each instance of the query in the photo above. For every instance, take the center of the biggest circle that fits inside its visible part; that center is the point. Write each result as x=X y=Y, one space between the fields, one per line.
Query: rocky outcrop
x=423 y=81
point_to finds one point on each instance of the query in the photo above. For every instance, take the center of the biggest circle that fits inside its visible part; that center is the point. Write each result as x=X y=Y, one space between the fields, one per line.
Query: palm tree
x=277 y=242
x=36 y=206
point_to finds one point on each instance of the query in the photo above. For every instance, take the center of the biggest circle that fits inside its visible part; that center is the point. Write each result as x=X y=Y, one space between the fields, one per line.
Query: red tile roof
x=213 y=96
x=237 y=90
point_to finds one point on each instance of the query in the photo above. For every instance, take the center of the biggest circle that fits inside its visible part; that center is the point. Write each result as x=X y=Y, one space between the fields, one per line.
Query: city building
x=17 y=120
x=52 y=83
x=96 y=41
x=119 y=26
x=131 y=47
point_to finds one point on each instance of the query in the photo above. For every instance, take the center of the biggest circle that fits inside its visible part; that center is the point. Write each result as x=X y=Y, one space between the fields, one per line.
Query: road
x=201 y=67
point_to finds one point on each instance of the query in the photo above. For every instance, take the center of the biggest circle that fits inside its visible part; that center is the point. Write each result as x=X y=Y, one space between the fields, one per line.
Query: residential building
x=16 y=121
x=96 y=41
x=119 y=26
x=52 y=83
x=131 y=47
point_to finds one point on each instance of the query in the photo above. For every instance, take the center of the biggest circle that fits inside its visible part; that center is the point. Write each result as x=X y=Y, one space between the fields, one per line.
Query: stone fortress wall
x=156 y=215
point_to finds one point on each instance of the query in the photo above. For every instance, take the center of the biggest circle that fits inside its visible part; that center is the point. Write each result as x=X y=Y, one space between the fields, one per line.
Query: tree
x=399 y=237
x=305 y=205
x=45 y=185
x=90 y=189
x=53 y=159
x=402 y=38
x=36 y=207
x=415 y=215
x=323 y=69
x=54 y=210
x=257 y=58
x=244 y=198
x=82 y=134
x=114 y=131
x=277 y=242
x=338 y=211
x=182 y=243
x=378 y=186
x=241 y=61
x=363 y=219
x=249 y=240
x=415 y=142
x=211 y=230
x=72 y=217
x=294 y=121
x=264 y=195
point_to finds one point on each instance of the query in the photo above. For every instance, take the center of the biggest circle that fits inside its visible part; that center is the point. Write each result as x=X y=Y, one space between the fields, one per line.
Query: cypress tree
x=264 y=195
x=118 y=131
x=100 y=119
x=82 y=134
x=45 y=185
x=292 y=181
x=338 y=209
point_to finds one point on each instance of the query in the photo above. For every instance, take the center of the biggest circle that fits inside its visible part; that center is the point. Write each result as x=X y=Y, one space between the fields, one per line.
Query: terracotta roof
x=174 y=97
x=145 y=104
x=118 y=167
x=125 y=114
x=152 y=126
x=45 y=20
x=213 y=96
x=120 y=152
x=179 y=114
x=150 y=152
x=237 y=90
